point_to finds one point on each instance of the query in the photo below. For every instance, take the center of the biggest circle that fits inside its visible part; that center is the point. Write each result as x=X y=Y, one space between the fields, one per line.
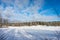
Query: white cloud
x=8 y=12
x=8 y=2
x=16 y=14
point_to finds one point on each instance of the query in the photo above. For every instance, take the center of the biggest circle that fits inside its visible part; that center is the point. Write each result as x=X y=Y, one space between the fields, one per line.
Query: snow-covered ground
x=30 y=33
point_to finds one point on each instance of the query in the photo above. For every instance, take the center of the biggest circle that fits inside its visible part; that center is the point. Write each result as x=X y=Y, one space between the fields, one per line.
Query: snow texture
x=30 y=33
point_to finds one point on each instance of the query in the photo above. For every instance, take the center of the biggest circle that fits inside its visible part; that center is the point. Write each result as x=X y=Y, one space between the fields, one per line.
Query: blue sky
x=30 y=10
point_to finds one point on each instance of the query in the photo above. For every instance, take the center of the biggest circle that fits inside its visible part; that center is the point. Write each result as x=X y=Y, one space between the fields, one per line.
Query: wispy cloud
x=21 y=11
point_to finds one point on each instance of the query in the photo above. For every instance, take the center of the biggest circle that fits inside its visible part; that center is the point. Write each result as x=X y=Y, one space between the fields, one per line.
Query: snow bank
x=39 y=27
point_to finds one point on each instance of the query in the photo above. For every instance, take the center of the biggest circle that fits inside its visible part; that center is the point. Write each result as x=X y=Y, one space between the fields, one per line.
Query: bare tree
x=3 y=21
x=0 y=20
